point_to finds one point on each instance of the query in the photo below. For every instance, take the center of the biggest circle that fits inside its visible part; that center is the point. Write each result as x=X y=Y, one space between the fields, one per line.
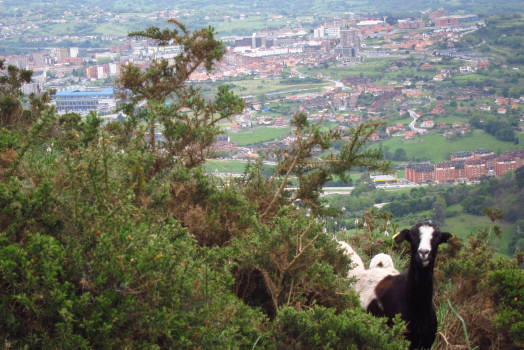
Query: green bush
x=8 y=139
x=322 y=328
x=139 y=285
x=508 y=289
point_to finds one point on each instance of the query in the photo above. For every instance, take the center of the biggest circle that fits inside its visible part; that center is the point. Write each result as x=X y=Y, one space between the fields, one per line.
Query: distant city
x=413 y=73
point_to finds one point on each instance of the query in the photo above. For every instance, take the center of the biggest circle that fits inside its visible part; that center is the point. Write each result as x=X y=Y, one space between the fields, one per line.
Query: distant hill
x=299 y=7
x=501 y=39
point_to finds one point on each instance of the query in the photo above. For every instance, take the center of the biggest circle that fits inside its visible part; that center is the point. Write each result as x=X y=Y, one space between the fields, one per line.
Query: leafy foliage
x=463 y=272
x=507 y=286
x=323 y=328
x=12 y=113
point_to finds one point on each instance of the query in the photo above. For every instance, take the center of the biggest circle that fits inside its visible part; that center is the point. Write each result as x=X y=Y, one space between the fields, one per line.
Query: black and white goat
x=385 y=292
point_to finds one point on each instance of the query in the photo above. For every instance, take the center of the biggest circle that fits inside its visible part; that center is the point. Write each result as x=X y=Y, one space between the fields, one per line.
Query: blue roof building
x=85 y=101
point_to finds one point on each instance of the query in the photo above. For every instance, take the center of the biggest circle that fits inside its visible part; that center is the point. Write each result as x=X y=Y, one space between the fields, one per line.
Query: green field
x=437 y=147
x=247 y=25
x=225 y=166
x=248 y=137
x=449 y=119
x=62 y=29
x=468 y=79
x=372 y=67
x=264 y=86
x=404 y=121
x=112 y=29
x=229 y=166
x=463 y=225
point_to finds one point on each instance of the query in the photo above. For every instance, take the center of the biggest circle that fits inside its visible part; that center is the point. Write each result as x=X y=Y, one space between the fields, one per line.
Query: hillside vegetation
x=501 y=38
x=457 y=208
x=113 y=239
x=291 y=7
x=438 y=148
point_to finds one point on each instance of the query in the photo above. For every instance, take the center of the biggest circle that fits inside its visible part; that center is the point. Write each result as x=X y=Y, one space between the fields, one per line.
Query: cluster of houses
x=466 y=166
x=263 y=54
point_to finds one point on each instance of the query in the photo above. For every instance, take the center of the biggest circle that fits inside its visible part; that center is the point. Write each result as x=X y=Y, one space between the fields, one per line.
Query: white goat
x=367 y=279
x=357 y=263
x=384 y=261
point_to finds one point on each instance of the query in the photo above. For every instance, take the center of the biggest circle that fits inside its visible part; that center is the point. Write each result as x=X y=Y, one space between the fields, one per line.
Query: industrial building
x=85 y=101
x=383 y=179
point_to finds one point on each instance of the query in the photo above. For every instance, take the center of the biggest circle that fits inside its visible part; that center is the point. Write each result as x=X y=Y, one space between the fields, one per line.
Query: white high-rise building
x=113 y=69
x=73 y=51
x=100 y=72
x=318 y=33
x=332 y=32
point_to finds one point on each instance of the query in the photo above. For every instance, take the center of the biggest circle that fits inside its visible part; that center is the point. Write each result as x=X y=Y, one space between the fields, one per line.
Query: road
x=412 y=126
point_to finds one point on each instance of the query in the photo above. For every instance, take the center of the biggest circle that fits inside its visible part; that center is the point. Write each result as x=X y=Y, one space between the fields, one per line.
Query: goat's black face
x=424 y=240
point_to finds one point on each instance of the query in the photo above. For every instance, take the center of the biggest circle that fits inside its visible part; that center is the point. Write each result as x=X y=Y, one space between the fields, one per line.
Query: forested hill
x=290 y=7
x=501 y=39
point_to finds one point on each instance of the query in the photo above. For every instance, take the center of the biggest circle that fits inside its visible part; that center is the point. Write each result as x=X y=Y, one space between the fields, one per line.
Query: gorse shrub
x=473 y=286
x=322 y=328
x=508 y=288
x=142 y=284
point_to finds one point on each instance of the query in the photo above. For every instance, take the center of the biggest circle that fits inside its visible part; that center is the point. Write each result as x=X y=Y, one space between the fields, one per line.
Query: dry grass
x=465 y=302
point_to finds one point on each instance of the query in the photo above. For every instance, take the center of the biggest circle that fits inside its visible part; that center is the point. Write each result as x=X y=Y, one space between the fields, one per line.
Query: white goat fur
x=380 y=266
x=384 y=261
x=357 y=263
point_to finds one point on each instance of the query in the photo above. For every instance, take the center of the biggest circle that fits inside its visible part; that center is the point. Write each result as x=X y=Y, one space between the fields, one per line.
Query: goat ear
x=401 y=236
x=444 y=237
